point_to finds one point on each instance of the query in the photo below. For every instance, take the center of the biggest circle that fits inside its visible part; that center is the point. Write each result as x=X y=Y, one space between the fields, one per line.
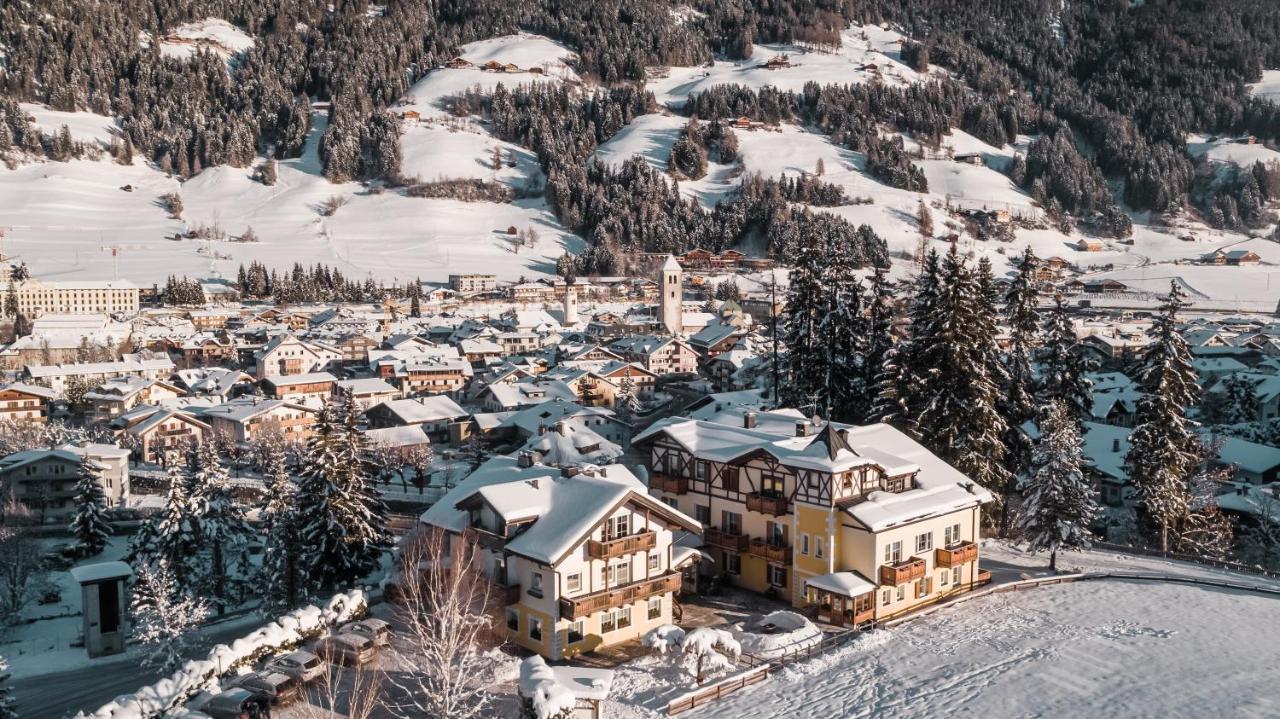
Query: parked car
x=303 y=666
x=344 y=648
x=281 y=688
x=238 y=703
x=372 y=627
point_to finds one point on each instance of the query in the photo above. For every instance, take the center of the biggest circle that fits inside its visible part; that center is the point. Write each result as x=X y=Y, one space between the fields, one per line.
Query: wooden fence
x=719 y=690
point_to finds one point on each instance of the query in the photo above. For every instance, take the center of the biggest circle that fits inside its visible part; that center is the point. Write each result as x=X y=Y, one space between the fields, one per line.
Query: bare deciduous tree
x=446 y=610
x=21 y=571
x=355 y=693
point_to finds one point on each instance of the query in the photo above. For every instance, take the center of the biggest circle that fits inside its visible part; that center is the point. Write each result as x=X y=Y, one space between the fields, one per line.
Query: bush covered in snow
x=542 y=695
x=777 y=634
x=284 y=633
x=664 y=639
x=702 y=651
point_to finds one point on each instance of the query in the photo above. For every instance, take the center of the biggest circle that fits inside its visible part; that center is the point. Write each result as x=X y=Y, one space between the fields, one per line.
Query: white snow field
x=211 y=34
x=1085 y=649
x=1268 y=87
x=84 y=126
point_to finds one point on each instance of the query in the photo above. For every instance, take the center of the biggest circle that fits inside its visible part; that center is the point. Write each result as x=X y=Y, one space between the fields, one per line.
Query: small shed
x=103 y=595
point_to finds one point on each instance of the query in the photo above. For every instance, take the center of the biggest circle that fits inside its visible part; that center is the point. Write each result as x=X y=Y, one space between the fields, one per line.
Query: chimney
x=1115 y=444
x=802 y=428
x=569 y=471
x=749 y=420
x=562 y=428
x=524 y=459
x=533 y=483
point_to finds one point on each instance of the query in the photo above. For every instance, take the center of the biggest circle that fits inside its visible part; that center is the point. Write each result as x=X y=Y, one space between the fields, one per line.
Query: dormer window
x=617 y=527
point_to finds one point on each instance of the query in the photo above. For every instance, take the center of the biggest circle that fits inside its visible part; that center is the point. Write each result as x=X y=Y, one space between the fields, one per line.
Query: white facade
x=36 y=298
x=671 y=300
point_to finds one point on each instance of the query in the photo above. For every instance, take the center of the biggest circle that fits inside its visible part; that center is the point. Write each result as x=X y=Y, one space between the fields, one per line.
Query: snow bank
x=792 y=633
x=289 y=630
x=664 y=639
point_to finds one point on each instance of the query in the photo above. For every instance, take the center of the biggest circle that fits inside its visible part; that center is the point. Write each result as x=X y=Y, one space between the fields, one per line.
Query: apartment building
x=311 y=390
x=859 y=523
x=586 y=557
x=45 y=479
x=248 y=418
x=470 y=284
x=36 y=298
x=56 y=376
x=660 y=355
x=25 y=403
x=287 y=355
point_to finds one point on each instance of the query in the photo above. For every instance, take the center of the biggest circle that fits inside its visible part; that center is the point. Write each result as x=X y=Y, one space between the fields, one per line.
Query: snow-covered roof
x=846 y=584
x=407 y=436
x=367 y=386
x=246 y=408
x=566 y=445
x=100 y=572
x=295 y=379
x=882 y=510
x=419 y=410
x=671 y=265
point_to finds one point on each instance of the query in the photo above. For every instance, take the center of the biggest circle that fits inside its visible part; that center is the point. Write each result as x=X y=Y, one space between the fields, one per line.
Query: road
x=65 y=693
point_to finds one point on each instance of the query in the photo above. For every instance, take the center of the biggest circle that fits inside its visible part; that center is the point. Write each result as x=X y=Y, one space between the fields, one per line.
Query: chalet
x=426 y=374
x=411 y=115
x=777 y=62
x=493 y=66
x=432 y=414
x=311 y=390
x=205 y=349
x=286 y=355
x=25 y=403
x=586 y=556
x=1088 y=244
x=57 y=376
x=117 y=396
x=217 y=383
x=366 y=391
x=1106 y=286
x=855 y=523
x=160 y=435
x=660 y=355
x=248 y=419
x=45 y=479
x=458 y=63
x=970 y=158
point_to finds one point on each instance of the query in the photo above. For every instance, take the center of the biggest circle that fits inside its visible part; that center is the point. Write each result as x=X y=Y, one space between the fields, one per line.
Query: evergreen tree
x=1163 y=449
x=1017 y=398
x=1062 y=371
x=173 y=532
x=343 y=519
x=7 y=710
x=221 y=528
x=879 y=346
x=1059 y=499
x=803 y=368
x=900 y=397
x=89 y=525
x=841 y=338
x=280 y=578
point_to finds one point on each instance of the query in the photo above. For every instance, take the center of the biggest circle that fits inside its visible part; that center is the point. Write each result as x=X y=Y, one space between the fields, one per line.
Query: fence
x=719 y=690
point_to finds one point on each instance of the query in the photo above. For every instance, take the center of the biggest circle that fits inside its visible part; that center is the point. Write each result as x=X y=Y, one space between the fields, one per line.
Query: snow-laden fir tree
x=899 y=399
x=7 y=709
x=950 y=378
x=841 y=338
x=221 y=530
x=166 y=619
x=803 y=371
x=1163 y=449
x=1062 y=366
x=879 y=344
x=1017 y=396
x=1059 y=500
x=172 y=534
x=89 y=525
x=342 y=517
x=281 y=579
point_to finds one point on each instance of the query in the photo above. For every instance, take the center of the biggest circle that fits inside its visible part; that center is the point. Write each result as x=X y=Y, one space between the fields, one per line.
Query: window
x=955 y=575
x=922 y=587
x=617 y=527
x=655 y=607
x=671 y=502
x=655 y=562
x=771 y=485
x=886 y=597
x=731 y=562
x=535 y=584
x=700 y=470
x=730 y=475
x=819 y=544
x=577 y=631
x=535 y=629
x=702 y=513
x=902 y=592
x=924 y=542
x=619 y=573
x=573 y=582
x=804 y=544
x=513 y=619
x=777 y=575
x=730 y=522
x=951 y=535
x=615 y=619
x=893 y=553
x=944 y=578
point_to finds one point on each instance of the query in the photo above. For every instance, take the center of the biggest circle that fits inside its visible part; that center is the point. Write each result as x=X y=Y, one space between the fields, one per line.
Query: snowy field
x=1268 y=87
x=1087 y=649
x=212 y=35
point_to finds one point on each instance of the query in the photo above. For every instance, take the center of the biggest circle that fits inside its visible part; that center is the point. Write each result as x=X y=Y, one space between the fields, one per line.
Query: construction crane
x=115 y=257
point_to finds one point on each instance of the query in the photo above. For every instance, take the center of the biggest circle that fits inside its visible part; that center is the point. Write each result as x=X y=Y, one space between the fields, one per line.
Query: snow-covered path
x=1096 y=648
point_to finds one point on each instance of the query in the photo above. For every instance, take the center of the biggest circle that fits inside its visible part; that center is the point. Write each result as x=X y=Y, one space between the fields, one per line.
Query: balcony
x=955 y=556
x=622 y=546
x=510 y=594
x=486 y=539
x=769 y=551
x=766 y=504
x=725 y=540
x=667 y=483
x=577 y=607
x=902 y=572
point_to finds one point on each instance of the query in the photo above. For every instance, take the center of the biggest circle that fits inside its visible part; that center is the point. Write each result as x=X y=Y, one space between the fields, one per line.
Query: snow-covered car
x=349 y=649
x=238 y=703
x=280 y=688
x=303 y=666
x=372 y=627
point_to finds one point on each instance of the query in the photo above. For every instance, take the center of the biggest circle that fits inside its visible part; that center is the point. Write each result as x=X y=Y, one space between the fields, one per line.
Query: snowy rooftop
x=101 y=572
x=846 y=584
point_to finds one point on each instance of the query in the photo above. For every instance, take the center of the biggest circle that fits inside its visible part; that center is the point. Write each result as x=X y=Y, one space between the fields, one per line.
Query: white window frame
x=804 y=544
x=652 y=604
x=893 y=552
x=924 y=542
x=819 y=546
x=655 y=562
x=573 y=582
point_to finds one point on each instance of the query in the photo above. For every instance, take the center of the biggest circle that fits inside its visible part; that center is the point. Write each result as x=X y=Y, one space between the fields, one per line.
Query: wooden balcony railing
x=622 y=546
x=865 y=615
x=725 y=540
x=484 y=538
x=766 y=504
x=511 y=594
x=902 y=572
x=577 y=607
x=955 y=556
x=771 y=552
x=667 y=483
